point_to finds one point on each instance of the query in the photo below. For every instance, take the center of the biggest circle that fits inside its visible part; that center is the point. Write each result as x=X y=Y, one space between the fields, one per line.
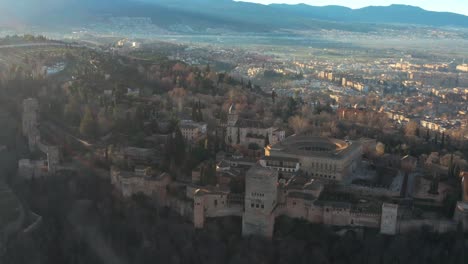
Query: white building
x=193 y=131
x=246 y=131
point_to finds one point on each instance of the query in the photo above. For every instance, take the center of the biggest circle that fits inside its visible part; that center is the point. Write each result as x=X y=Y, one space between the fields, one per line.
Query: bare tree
x=299 y=124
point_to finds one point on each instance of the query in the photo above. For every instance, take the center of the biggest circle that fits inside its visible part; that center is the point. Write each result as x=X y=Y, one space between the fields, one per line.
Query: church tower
x=232 y=116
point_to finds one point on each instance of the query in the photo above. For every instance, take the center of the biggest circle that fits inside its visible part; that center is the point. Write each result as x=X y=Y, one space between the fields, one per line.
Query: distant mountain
x=202 y=15
x=393 y=14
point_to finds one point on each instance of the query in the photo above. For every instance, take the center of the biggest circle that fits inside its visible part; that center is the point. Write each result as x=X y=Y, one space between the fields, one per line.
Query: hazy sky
x=457 y=6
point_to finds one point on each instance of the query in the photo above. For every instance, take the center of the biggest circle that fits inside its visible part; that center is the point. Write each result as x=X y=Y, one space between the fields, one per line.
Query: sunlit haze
x=233 y=131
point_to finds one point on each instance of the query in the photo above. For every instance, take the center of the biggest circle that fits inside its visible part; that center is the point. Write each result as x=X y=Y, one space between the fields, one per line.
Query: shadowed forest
x=83 y=224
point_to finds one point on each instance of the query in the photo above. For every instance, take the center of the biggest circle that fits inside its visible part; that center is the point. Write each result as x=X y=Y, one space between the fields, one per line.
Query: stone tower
x=199 y=209
x=261 y=194
x=389 y=221
x=461 y=215
x=30 y=121
x=53 y=158
x=461 y=211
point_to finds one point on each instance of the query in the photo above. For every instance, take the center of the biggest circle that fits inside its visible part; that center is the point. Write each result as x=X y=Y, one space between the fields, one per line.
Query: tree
x=179 y=146
x=119 y=92
x=194 y=113
x=221 y=77
x=175 y=149
x=273 y=96
x=434 y=186
x=249 y=85
x=453 y=169
x=72 y=113
x=88 y=125
x=292 y=107
x=103 y=122
x=237 y=185
x=380 y=149
x=299 y=124
x=199 y=112
x=254 y=146
x=177 y=95
x=442 y=143
x=208 y=174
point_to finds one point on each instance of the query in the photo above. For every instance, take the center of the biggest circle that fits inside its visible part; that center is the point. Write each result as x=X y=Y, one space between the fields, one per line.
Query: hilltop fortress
x=267 y=198
x=318 y=179
x=302 y=177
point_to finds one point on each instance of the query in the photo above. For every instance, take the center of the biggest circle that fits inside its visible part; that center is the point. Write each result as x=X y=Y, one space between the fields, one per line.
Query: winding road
x=41 y=44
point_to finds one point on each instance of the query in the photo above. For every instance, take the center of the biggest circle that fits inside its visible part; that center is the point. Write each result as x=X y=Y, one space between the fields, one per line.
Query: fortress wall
x=365 y=220
x=365 y=190
x=182 y=207
x=438 y=226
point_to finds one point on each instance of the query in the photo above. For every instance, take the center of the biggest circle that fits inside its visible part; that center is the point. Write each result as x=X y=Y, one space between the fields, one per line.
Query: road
x=27 y=45
x=57 y=129
x=43 y=44
x=79 y=161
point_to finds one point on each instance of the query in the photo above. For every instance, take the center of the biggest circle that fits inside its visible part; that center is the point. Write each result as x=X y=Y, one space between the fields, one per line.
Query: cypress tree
x=267 y=140
x=249 y=85
x=178 y=145
x=88 y=125
x=443 y=140
x=194 y=113
x=199 y=113
x=451 y=167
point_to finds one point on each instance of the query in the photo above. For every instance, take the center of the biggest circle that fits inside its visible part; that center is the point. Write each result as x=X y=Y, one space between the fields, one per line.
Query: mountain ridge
x=229 y=14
